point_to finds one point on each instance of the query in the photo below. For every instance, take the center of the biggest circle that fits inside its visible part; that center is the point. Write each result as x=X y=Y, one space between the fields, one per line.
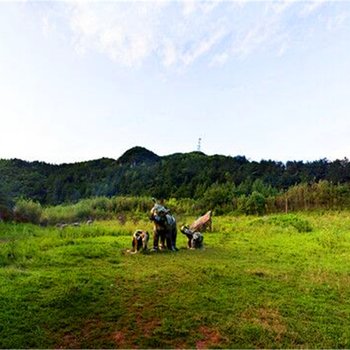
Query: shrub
x=300 y=224
x=256 y=203
x=101 y=203
x=218 y=197
x=27 y=211
x=82 y=211
x=253 y=204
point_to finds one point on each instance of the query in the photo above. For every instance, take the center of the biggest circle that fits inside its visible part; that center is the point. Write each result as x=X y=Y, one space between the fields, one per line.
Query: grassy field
x=280 y=281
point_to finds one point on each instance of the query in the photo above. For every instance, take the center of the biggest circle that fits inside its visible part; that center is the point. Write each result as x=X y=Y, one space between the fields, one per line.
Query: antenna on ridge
x=199 y=145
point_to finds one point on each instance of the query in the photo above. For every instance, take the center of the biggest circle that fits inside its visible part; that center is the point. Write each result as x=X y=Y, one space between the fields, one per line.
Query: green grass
x=281 y=281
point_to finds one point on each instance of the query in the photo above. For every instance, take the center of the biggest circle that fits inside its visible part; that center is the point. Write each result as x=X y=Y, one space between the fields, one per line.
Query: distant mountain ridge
x=142 y=172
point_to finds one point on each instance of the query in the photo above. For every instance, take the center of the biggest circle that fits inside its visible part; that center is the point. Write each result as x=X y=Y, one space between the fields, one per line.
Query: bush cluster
x=27 y=211
x=252 y=199
x=99 y=208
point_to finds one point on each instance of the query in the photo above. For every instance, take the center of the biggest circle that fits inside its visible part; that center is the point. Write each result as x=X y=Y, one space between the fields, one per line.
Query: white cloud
x=131 y=32
x=202 y=47
x=46 y=29
x=335 y=23
x=180 y=33
x=281 y=6
x=189 y=7
x=259 y=36
x=312 y=6
x=169 y=52
x=283 y=49
x=84 y=20
x=219 y=59
x=125 y=32
x=208 y=6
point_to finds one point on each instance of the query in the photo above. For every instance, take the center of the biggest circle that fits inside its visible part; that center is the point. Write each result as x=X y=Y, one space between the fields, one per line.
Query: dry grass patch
x=262 y=273
x=122 y=341
x=267 y=318
x=69 y=341
x=148 y=327
x=211 y=338
x=326 y=277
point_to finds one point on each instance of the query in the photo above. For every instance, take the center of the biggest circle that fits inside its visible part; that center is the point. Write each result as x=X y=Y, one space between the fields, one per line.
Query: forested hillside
x=141 y=172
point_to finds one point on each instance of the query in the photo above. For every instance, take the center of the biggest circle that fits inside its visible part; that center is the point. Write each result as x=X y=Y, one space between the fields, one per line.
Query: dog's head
x=186 y=230
x=160 y=216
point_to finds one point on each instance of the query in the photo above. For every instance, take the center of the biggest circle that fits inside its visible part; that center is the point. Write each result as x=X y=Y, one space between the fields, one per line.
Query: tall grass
x=99 y=208
x=222 y=199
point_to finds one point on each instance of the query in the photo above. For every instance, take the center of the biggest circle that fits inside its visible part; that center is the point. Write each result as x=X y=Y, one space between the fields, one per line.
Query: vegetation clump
x=287 y=220
x=27 y=211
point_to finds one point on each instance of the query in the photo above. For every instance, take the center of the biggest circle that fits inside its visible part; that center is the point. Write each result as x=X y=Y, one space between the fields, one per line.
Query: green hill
x=137 y=156
x=141 y=172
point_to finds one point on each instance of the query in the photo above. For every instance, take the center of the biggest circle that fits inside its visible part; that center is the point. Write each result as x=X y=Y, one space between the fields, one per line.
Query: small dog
x=195 y=238
x=140 y=240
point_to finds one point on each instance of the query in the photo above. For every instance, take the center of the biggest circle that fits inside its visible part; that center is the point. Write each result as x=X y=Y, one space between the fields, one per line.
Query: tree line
x=228 y=183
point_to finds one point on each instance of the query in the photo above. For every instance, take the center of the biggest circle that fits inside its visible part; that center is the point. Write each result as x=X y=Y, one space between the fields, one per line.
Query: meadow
x=277 y=281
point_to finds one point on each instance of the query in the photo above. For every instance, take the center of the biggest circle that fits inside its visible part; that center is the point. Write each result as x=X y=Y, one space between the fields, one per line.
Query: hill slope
x=141 y=172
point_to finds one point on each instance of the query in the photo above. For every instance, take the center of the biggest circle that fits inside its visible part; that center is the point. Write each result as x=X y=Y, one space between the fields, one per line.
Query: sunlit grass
x=275 y=281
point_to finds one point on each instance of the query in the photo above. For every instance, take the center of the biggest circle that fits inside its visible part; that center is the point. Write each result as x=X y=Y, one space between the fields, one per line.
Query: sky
x=81 y=80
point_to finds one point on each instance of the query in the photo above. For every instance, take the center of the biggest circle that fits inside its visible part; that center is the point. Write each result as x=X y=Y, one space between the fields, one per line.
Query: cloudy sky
x=83 y=80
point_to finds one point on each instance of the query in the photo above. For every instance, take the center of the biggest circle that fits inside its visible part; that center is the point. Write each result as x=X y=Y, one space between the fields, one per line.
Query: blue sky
x=83 y=80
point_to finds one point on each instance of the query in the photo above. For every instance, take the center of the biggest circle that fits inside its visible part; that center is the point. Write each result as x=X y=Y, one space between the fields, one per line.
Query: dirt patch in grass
x=127 y=338
x=122 y=340
x=91 y=327
x=147 y=327
x=261 y=273
x=269 y=319
x=69 y=341
x=91 y=330
x=211 y=338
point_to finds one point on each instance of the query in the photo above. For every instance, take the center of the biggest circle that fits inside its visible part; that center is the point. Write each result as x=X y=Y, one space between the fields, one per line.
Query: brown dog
x=140 y=240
